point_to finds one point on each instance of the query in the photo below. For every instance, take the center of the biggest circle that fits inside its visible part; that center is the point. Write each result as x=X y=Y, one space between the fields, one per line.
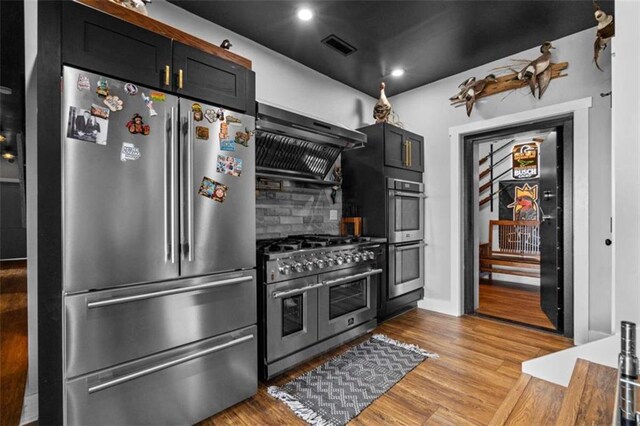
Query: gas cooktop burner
x=297 y=242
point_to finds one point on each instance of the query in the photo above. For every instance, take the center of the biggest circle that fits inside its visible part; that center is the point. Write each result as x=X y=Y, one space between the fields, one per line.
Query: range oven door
x=346 y=299
x=406 y=210
x=292 y=316
x=406 y=268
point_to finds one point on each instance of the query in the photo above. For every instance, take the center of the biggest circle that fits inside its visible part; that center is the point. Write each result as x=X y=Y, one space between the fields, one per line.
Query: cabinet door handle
x=410 y=153
x=167 y=75
x=405 y=160
x=180 y=79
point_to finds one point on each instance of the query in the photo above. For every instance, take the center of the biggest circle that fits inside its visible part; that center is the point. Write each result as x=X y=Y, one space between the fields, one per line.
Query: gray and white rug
x=338 y=390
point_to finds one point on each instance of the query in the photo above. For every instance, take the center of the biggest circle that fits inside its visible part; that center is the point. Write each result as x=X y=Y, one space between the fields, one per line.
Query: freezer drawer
x=110 y=327
x=182 y=386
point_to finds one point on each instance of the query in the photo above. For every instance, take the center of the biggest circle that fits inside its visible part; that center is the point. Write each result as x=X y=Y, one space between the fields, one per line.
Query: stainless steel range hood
x=296 y=147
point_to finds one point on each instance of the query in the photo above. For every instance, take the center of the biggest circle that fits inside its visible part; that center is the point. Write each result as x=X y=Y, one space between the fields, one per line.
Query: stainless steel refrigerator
x=158 y=254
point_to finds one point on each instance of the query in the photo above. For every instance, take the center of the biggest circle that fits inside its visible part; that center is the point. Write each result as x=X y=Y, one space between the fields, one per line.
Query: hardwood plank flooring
x=13 y=340
x=479 y=364
x=513 y=303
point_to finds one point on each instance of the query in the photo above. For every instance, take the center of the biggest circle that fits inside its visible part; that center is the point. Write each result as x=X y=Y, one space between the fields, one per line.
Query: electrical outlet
x=333 y=214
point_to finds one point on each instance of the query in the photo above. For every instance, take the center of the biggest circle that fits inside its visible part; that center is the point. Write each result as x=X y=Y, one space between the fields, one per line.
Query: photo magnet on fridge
x=84 y=126
x=202 y=133
x=129 y=152
x=99 y=111
x=211 y=189
x=229 y=165
x=83 y=82
x=227 y=145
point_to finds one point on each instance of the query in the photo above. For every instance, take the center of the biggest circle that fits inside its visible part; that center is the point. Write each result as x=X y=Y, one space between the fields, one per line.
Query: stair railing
x=627 y=411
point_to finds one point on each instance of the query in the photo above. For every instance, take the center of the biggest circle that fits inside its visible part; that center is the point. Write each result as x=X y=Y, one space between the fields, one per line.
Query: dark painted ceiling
x=429 y=39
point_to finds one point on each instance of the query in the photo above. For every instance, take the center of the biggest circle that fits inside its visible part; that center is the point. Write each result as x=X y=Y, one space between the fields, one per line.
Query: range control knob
x=348 y=258
x=371 y=255
x=309 y=266
x=298 y=267
x=321 y=263
x=356 y=257
x=339 y=260
x=331 y=261
x=285 y=269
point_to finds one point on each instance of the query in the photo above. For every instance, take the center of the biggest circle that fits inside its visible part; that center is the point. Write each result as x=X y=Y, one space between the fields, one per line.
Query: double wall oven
x=316 y=298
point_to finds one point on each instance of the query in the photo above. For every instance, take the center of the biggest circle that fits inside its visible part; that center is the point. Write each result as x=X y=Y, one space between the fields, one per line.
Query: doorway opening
x=518 y=224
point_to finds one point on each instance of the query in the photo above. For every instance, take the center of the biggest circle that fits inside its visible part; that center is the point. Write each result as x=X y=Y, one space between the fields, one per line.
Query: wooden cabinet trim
x=161 y=28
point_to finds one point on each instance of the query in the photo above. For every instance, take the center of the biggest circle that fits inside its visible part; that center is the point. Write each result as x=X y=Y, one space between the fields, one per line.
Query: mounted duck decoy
x=474 y=89
x=462 y=89
x=382 y=108
x=605 y=32
x=538 y=71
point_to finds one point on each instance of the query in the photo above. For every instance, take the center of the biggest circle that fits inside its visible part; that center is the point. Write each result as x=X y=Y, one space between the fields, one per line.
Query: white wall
x=626 y=162
x=280 y=81
x=426 y=110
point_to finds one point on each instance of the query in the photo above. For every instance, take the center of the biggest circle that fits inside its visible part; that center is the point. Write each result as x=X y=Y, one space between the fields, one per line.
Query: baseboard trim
x=440 y=306
x=29 y=409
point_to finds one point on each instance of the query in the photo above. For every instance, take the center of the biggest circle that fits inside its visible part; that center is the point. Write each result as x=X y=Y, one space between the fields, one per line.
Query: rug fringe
x=300 y=410
x=413 y=348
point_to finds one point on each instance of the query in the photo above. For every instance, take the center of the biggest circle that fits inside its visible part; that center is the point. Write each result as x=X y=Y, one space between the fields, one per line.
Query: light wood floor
x=479 y=363
x=13 y=340
x=514 y=303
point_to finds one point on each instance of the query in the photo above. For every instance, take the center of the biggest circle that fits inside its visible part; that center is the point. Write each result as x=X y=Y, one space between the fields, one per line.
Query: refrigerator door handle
x=173 y=185
x=154 y=294
x=167 y=245
x=189 y=189
x=168 y=364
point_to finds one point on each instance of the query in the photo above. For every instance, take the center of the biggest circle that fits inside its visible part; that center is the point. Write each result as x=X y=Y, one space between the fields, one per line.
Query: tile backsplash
x=297 y=209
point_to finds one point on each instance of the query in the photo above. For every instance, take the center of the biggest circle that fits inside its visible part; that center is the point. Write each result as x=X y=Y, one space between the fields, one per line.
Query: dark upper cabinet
x=100 y=43
x=203 y=76
x=402 y=149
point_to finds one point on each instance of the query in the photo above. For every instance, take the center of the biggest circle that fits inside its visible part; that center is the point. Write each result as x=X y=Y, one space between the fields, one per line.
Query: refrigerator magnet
x=229 y=165
x=227 y=145
x=209 y=188
x=102 y=88
x=202 y=133
x=99 y=111
x=224 y=131
x=210 y=115
x=129 y=152
x=84 y=126
x=220 y=114
x=235 y=121
x=149 y=103
x=83 y=82
x=243 y=138
x=158 y=97
x=197 y=112
x=131 y=89
x=137 y=126
x=114 y=103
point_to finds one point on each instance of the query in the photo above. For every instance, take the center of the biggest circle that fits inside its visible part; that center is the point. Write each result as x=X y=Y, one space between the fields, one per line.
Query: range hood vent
x=296 y=147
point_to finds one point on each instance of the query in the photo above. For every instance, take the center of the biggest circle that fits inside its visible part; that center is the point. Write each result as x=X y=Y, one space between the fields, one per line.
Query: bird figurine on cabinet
x=382 y=108
x=474 y=89
x=462 y=89
x=226 y=44
x=605 y=32
x=538 y=71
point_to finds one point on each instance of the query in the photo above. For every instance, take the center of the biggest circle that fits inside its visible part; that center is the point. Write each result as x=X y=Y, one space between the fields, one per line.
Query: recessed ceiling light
x=305 y=14
x=398 y=72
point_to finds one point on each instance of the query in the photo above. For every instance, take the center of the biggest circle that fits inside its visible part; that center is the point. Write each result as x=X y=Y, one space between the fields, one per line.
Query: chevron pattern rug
x=338 y=390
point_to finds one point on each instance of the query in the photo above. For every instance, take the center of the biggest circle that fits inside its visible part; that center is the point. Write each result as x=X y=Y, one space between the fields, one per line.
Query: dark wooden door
x=200 y=75
x=550 y=203
x=395 y=147
x=97 y=42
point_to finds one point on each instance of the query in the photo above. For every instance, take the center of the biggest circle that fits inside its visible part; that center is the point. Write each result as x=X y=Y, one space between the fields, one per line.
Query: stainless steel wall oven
x=406 y=210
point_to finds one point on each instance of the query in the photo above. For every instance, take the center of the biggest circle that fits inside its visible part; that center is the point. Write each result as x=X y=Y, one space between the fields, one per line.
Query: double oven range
x=315 y=292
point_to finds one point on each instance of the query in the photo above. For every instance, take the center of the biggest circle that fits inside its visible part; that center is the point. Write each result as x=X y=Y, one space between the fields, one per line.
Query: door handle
x=405 y=158
x=180 y=78
x=173 y=185
x=410 y=153
x=190 y=236
x=167 y=75
x=546 y=217
x=352 y=277
x=295 y=291
x=165 y=187
x=547 y=195
x=166 y=365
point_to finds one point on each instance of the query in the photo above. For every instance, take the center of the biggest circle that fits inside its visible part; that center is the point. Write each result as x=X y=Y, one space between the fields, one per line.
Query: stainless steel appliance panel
x=113 y=326
x=292 y=316
x=406 y=268
x=346 y=299
x=182 y=386
x=217 y=235
x=119 y=225
x=406 y=211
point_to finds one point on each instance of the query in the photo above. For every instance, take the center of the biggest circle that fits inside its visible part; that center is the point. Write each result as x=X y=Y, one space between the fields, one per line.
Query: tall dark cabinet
x=383 y=184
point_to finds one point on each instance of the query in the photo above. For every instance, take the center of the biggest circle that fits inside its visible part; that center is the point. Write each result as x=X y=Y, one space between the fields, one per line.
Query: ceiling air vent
x=340 y=45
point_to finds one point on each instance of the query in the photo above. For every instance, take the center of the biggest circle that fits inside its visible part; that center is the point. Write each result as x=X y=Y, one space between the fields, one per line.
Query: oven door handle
x=280 y=294
x=352 y=277
x=410 y=246
x=410 y=194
